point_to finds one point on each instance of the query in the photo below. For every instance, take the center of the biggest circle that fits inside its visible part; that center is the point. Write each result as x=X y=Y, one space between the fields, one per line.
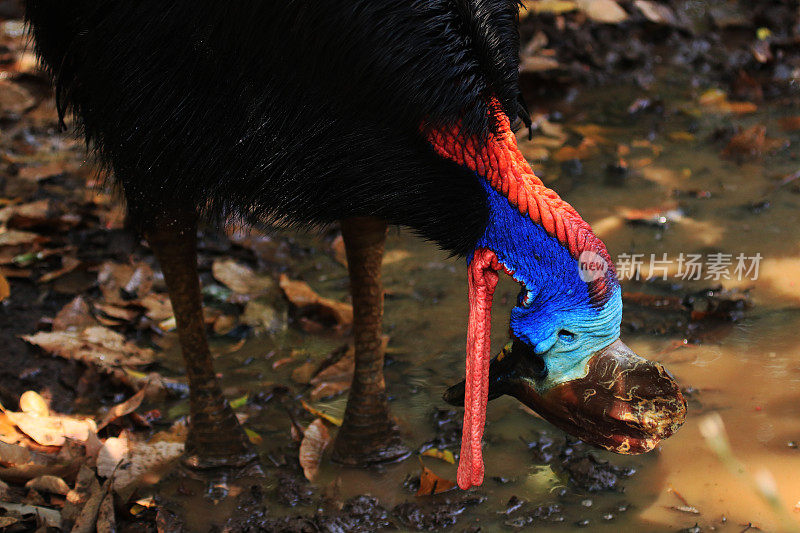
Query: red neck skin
x=498 y=160
x=482 y=279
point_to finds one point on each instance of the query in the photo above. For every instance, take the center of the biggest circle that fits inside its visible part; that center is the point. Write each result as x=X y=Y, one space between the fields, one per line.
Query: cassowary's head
x=565 y=359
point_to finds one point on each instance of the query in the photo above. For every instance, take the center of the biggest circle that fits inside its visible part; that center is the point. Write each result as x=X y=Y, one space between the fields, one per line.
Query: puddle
x=749 y=372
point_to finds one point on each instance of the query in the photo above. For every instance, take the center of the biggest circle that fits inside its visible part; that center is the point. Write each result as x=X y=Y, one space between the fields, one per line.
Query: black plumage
x=296 y=111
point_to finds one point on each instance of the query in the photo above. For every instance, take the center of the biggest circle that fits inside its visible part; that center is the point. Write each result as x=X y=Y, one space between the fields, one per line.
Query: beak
x=624 y=403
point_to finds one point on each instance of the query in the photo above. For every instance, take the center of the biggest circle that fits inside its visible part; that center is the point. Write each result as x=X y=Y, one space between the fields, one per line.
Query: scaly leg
x=215 y=437
x=368 y=435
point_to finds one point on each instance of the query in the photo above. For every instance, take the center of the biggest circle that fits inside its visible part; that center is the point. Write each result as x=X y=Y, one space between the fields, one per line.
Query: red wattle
x=482 y=279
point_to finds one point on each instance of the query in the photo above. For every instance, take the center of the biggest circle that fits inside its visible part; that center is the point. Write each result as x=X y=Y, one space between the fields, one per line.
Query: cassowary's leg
x=367 y=435
x=215 y=437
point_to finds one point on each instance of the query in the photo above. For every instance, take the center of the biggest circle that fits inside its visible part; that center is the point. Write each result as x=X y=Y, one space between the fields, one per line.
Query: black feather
x=294 y=111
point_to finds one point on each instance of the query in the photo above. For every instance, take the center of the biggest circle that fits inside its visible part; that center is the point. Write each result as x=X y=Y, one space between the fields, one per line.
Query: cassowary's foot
x=368 y=435
x=215 y=440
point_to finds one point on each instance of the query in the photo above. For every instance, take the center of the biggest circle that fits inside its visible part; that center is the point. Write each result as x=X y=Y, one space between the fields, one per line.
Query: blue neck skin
x=556 y=317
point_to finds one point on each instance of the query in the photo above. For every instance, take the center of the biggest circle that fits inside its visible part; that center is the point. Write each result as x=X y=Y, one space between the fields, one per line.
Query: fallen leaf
x=5 y=288
x=13 y=455
x=444 y=455
x=96 y=345
x=40 y=172
x=14 y=237
x=303 y=373
x=106 y=520
x=87 y=519
x=123 y=314
x=315 y=439
x=49 y=517
x=335 y=378
x=224 y=324
x=339 y=252
x=14 y=99
x=752 y=142
x=395 y=256
x=122 y=282
x=74 y=316
x=717 y=100
x=605 y=11
x=254 y=437
x=241 y=279
x=50 y=484
x=586 y=149
x=657 y=13
x=32 y=403
x=538 y=63
x=122 y=409
x=789 y=123
x=309 y=302
x=430 y=483
x=53 y=430
x=85 y=485
x=264 y=317
x=157 y=305
x=131 y=459
x=555 y=7
x=68 y=264
x=336 y=421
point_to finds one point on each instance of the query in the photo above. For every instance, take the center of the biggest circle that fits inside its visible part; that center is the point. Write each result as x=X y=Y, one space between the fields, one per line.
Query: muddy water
x=749 y=372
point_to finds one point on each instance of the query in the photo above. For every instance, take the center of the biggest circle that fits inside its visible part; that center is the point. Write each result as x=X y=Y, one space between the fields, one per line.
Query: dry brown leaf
x=13 y=455
x=87 y=519
x=157 y=305
x=588 y=148
x=336 y=421
x=49 y=517
x=96 y=345
x=121 y=283
x=555 y=7
x=241 y=279
x=395 y=256
x=606 y=11
x=538 y=63
x=430 y=483
x=303 y=373
x=339 y=252
x=752 y=142
x=132 y=459
x=53 y=430
x=263 y=316
x=14 y=99
x=85 y=484
x=315 y=439
x=106 y=519
x=50 y=484
x=74 y=316
x=32 y=403
x=789 y=123
x=309 y=302
x=122 y=409
x=14 y=237
x=5 y=288
x=655 y=12
x=68 y=264
x=224 y=324
x=334 y=379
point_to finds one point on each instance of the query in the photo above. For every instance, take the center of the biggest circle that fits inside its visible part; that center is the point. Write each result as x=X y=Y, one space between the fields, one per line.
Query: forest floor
x=92 y=401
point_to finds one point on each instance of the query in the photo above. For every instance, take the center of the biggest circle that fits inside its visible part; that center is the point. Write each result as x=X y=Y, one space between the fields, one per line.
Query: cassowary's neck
x=530 y=231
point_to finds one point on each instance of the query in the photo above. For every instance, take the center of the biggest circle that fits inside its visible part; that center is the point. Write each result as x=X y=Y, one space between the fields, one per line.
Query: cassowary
x=368 y=112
